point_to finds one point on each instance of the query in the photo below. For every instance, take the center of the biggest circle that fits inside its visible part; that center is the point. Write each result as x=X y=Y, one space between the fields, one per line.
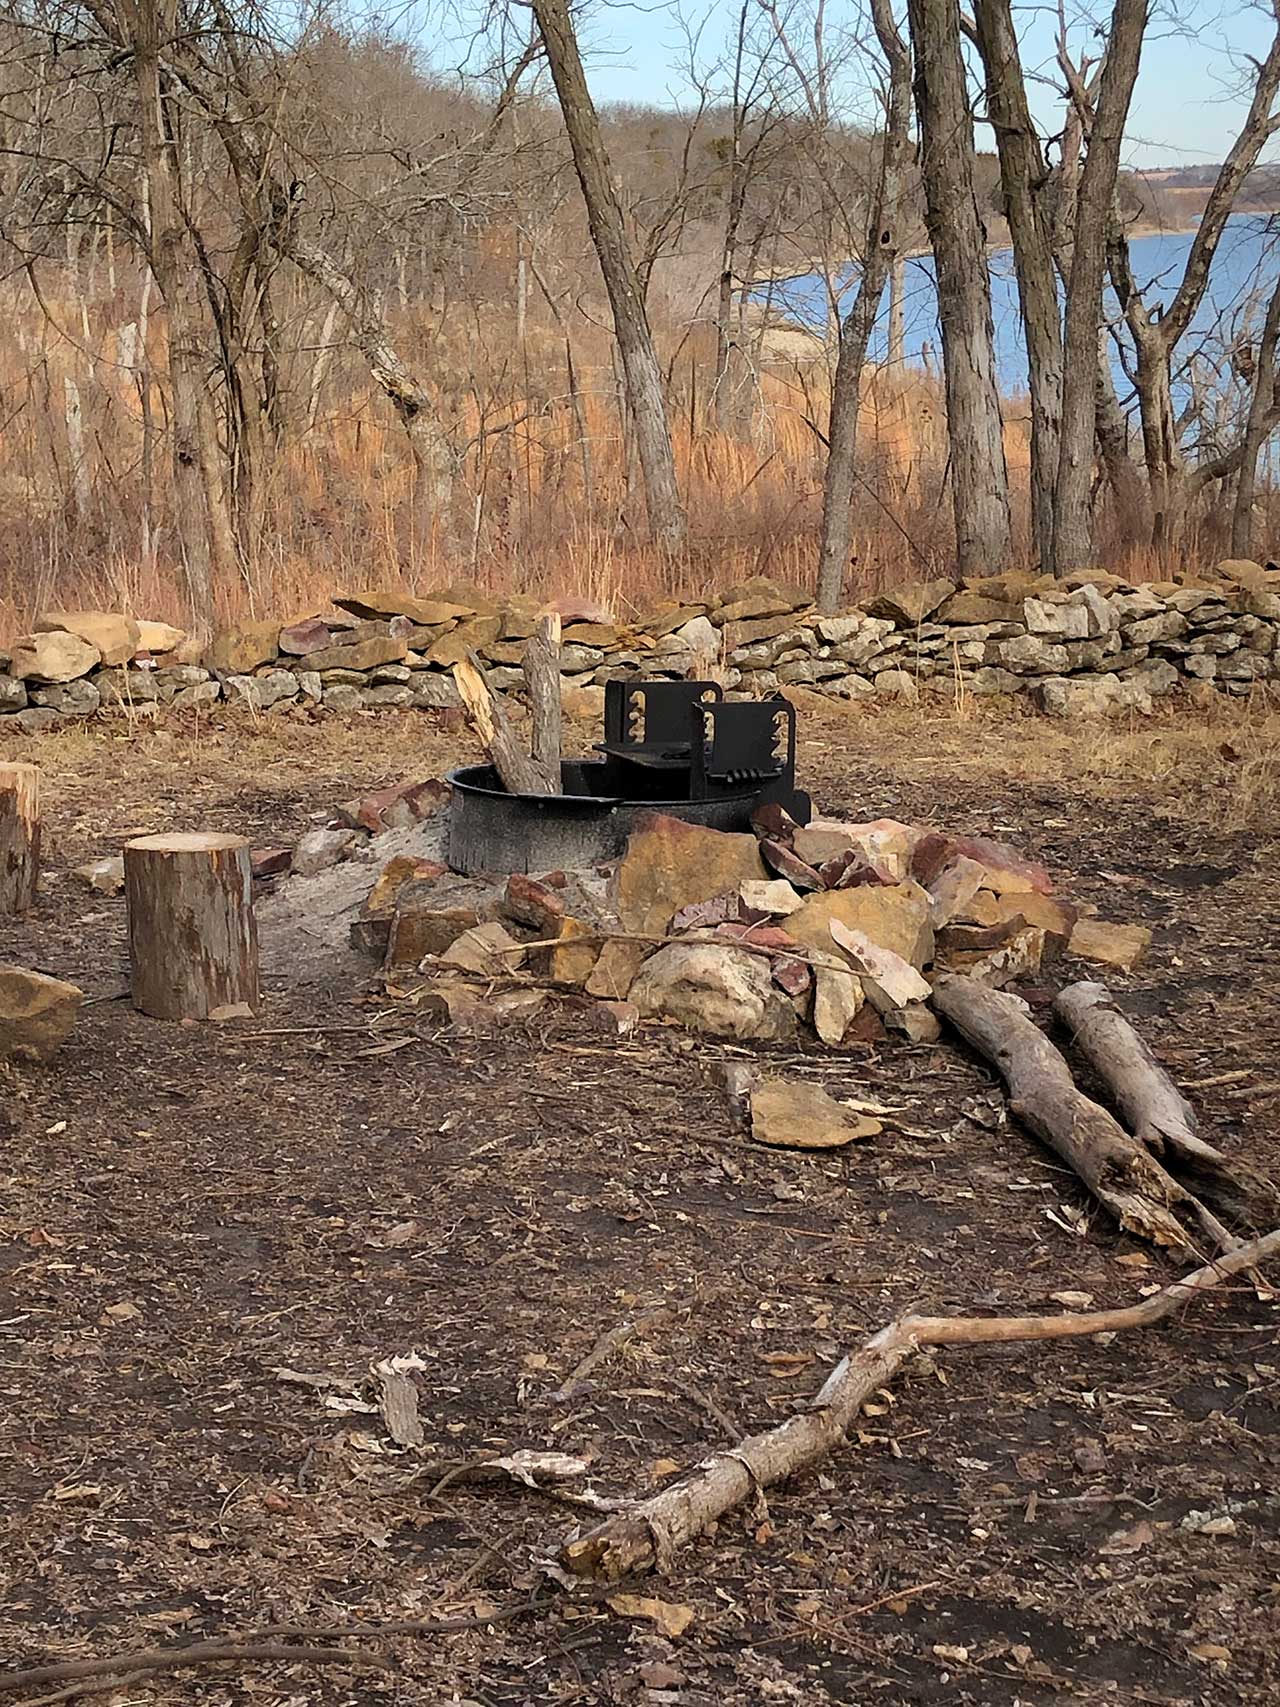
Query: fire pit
x=674 y=747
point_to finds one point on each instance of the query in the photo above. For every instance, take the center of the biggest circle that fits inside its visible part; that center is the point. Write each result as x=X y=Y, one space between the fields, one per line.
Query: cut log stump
x=19 y=836
x=193 y=942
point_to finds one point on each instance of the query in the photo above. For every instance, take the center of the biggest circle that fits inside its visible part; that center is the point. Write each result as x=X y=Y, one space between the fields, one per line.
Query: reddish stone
x=270 y=862
x=789 y=974
x=311 y=635
x=866 y=1026
x=705 y=915
x=934 y=851
x=396 y=807
x=773 y=820
x=534 y=903
x=850 y=867
x=789 y=865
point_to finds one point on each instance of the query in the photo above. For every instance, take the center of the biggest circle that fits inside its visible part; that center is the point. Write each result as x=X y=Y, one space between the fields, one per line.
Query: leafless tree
x=979 y=475
x=881 y=247
x=1073 y=522
x=645 y=395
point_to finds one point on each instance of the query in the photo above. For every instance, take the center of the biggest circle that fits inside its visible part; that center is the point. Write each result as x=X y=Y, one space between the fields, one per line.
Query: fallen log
x=1154 y=1109
x=645 y=1537
x=520 y=774
x=541 y=666
x=19 y=836
x=1120 y=1172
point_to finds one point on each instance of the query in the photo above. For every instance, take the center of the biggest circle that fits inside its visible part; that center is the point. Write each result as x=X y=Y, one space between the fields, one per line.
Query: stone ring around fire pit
x=671 y=747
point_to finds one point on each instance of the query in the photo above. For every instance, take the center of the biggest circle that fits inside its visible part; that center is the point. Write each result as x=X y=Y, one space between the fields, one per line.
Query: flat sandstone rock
x=788 y=1115
x=36 y=1013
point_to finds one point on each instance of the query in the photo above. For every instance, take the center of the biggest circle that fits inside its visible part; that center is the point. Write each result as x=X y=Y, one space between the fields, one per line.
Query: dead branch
x=1119 y=1171
x=273 y=1642
x=519 y=773
x=1153 y=1107
x=647 y=1535
x=613 y=1341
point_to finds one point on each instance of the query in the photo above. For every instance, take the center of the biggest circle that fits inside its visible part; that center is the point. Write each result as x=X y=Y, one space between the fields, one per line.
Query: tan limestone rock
x=912 y=604
x=488 y=948
x=890 y=981
x=775 y=897
x=896 y=919
x=670 y=864
x=883 y=842
x=838 y=996
x=573 y=959
x=472 y=636
x=36 y=1013
x=712 y=988
x=953 y=889
x=237 y=651
x=790 y=1115
x=116 y=637
x=360 y=655
x=1109 y=944
x=426 y=612
x=159 y=637
x=431 y=914
x=56 y=657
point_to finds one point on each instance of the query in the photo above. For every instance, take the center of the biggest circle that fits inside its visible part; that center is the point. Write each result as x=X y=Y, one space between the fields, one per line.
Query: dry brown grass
x=541 y=505
x=1215 y=768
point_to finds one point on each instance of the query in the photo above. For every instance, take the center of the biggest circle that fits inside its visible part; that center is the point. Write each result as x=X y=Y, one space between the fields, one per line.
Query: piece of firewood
x=541 y=666
x=645 y=1536
x=1119 y=1171
x=193 y=942
x=1154 y=1109
x=519 y=773
x=19 y=836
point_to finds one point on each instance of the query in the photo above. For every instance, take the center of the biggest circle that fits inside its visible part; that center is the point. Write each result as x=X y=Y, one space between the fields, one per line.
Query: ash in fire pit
x=677 y=747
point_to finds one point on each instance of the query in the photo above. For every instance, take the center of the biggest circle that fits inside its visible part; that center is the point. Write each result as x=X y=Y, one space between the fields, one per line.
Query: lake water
x=1245 y=267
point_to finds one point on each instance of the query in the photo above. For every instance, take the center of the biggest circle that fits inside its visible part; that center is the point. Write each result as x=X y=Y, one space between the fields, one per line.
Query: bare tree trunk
x=979 y=476
x=81 y=485
x=1156 y=340
x=879 y=254
x=1123 y=474
x=608 y=233
x=1073 y=506
x=1260 y=406
x=320 y=367
x=203 y=543
x=434 y=458
x=897 y=347
x=1022 y=176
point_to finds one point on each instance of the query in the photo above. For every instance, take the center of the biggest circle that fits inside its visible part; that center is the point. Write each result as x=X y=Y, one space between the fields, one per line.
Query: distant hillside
x=1186 y=188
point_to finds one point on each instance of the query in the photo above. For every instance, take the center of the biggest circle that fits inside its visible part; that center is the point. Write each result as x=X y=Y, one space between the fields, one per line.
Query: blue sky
x=1186 y=109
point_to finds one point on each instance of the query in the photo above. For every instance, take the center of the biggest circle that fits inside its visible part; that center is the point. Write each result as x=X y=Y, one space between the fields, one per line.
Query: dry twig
x=648 y=1534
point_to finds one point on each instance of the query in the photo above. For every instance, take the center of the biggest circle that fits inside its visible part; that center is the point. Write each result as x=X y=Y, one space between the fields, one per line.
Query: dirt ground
x=187 y=1211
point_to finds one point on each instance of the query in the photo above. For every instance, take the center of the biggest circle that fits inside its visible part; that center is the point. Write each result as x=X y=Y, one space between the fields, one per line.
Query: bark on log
x=1154 y=1109
x=1118 y=1170
x=646 y=1536
x=19 y=836
x=541 y=665
x=193 y=941
x=520 y=774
